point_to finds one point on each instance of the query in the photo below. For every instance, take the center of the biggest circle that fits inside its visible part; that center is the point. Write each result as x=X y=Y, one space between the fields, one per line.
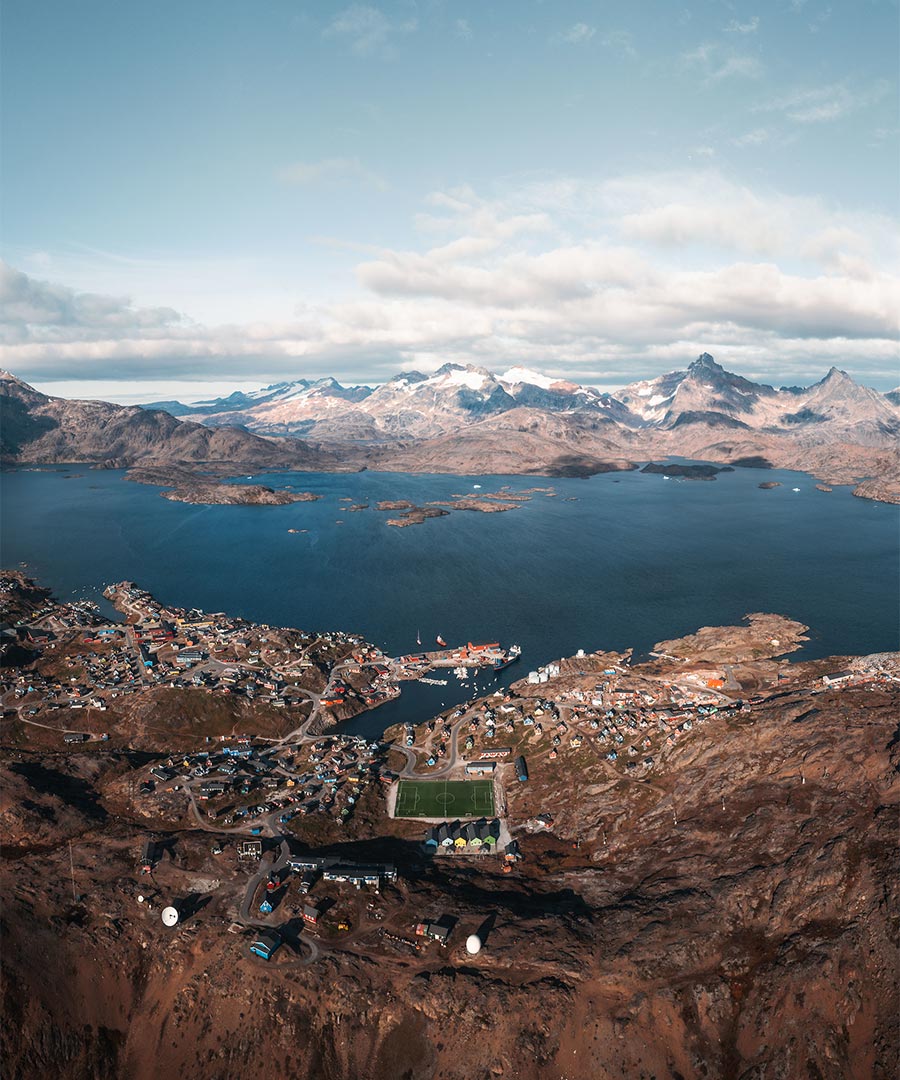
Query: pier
x=490 y=655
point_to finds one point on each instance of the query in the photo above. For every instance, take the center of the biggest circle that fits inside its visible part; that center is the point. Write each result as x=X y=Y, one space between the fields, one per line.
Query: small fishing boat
x=441 y=642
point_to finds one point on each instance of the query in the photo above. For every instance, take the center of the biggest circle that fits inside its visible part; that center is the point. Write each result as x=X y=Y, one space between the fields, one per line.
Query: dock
x=415 y=665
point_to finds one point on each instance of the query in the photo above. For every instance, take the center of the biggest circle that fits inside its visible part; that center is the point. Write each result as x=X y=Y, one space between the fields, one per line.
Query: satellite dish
x=169 y=916
x=141 y=898
x=473 y=944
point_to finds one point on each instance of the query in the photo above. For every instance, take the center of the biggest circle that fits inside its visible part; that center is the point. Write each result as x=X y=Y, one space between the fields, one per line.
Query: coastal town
x=186 y=775
x=275 y=789
x=83 y=661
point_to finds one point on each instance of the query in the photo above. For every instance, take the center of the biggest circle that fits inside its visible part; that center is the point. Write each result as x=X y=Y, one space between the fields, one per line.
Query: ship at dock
x=512 y=655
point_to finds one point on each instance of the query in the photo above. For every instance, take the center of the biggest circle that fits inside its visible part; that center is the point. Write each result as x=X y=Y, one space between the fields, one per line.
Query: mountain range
x=467 y=419
x=413 y=405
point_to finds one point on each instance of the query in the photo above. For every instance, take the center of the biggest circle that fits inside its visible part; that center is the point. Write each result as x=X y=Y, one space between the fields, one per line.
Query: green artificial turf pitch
x=445 y=799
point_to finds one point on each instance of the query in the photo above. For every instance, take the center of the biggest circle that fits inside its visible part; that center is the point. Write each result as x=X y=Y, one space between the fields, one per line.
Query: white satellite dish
x=169 y=916
x=141 y=898
x=473 y=944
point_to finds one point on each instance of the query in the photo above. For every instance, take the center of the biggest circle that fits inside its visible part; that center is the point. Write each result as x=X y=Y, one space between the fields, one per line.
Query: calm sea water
x=636 y=559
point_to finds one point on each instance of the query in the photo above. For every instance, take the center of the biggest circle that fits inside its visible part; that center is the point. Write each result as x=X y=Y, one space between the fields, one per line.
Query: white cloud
x=737 y=27
x=747 y=67
x=751 y=138
x=820 y=104
x=591 y=278
x=367 y=30
x=337 y=168
x=619 y=41
x=716 y=63
x=31 y=309
x=577 y=34
x=700 y=55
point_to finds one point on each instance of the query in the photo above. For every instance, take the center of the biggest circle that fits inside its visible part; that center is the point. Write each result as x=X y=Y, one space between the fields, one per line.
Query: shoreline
x=873 y=488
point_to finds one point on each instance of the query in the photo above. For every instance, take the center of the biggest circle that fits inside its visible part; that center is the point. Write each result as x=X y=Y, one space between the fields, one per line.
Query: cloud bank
x=602 y=281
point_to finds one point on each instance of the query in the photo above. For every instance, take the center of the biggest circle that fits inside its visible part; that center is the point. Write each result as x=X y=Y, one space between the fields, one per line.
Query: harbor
x=491 y=655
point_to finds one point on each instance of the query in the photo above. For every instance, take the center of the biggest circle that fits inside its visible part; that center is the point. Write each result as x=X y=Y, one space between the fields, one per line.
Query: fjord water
x=634 y=560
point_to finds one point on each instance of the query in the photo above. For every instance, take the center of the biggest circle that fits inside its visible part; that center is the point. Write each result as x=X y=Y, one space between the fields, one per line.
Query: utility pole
x=72 y=873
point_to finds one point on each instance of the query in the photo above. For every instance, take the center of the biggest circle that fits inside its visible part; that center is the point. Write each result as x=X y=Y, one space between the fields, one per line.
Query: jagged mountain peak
x=705 y=363
x=834 y=375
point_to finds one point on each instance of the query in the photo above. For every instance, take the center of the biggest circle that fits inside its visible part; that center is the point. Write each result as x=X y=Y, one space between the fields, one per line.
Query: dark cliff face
x=713 y=419
x=477 y=405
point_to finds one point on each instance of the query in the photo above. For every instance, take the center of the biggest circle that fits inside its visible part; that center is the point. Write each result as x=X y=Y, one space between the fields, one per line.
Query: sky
x=204 y=197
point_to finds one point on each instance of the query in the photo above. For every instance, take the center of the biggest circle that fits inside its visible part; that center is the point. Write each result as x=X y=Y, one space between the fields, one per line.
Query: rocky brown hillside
x=38 y=428
x=732 y=916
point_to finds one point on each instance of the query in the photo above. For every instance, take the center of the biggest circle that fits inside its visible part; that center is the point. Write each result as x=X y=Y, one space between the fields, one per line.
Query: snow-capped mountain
x=534 y=390
x=278 y=393
x=410 y=405
x=466 y=419
x=413 y=405
x=707 y=393
x=705 y=390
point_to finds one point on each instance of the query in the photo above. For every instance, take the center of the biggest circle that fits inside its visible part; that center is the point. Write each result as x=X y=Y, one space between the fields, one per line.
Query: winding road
x=266 y=867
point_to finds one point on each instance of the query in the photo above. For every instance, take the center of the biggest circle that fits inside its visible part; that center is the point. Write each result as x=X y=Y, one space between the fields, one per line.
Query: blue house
x=265 y=944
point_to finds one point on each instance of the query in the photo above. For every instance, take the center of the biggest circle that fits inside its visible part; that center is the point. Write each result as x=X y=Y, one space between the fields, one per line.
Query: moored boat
x=512 y=655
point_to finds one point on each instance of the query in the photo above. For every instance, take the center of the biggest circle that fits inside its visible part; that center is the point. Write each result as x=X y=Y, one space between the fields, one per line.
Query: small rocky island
x=189 y=487
x=481 y=505
x=481 y=502
x=415 y=515
x=395 y=504
x=767 y=485
x=216 y=494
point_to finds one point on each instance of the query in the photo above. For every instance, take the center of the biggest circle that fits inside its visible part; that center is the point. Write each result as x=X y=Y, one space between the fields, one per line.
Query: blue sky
x=202 y=196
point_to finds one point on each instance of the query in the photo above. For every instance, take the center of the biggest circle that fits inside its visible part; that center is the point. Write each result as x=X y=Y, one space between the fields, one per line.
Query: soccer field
x=445 y=799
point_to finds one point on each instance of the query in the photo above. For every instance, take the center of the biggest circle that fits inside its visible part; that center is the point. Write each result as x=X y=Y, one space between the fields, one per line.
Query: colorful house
x=265 y=944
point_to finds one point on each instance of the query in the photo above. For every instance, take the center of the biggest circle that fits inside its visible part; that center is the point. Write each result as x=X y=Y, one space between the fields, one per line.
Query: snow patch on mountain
x=469 y=377
x=517 y=375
